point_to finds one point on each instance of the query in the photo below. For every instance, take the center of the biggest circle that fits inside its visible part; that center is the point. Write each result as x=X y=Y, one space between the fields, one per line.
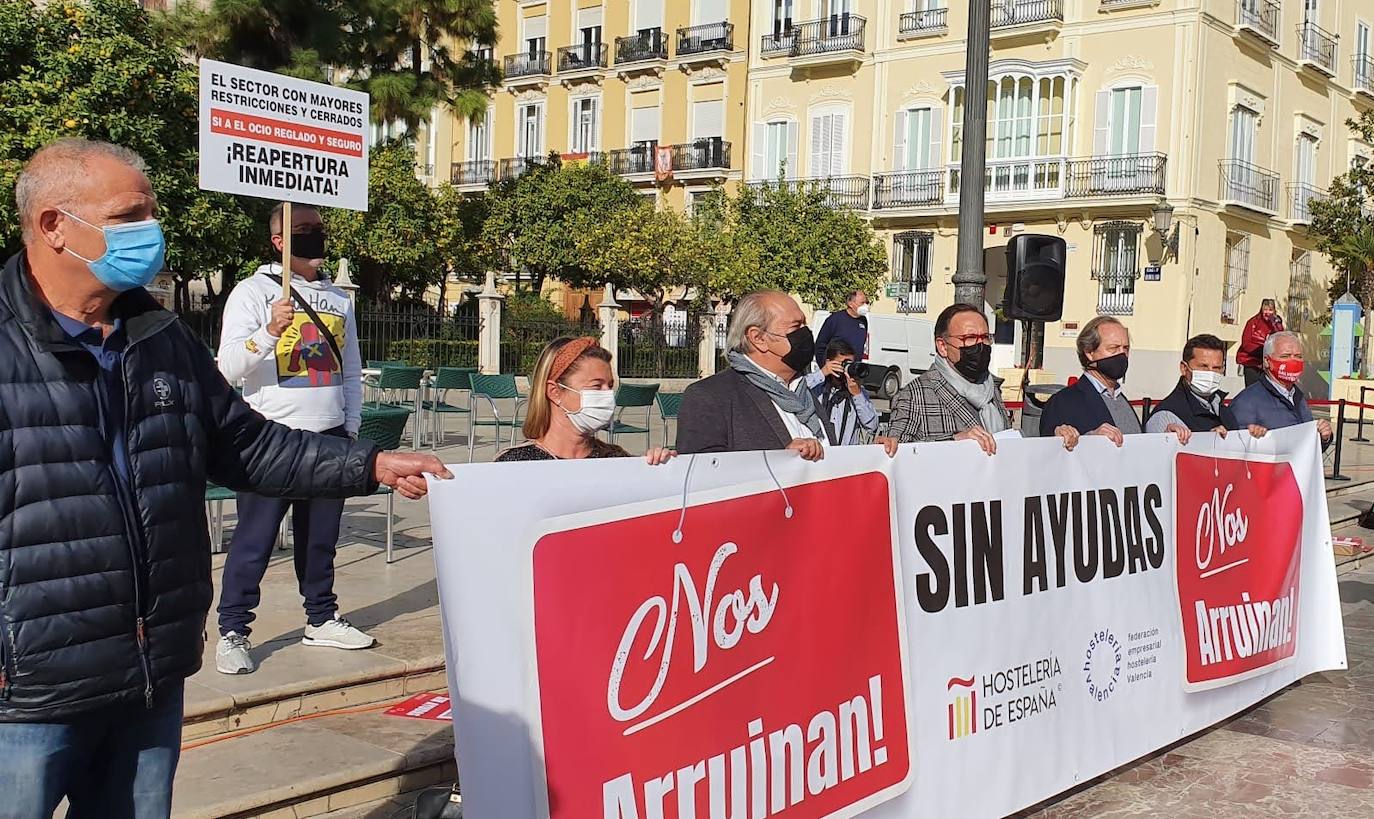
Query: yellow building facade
x=1175 y=145
x=1102 y=116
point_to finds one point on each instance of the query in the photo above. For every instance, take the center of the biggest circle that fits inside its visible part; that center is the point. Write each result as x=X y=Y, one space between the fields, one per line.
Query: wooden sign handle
x=286 y=251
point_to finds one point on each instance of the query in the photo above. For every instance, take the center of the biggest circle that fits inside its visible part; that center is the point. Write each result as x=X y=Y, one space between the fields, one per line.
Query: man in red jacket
x=1250 y=352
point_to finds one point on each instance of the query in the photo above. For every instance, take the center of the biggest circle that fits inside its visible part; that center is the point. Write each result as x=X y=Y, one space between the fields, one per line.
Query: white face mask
x=1206 y=383
x=863 y=309
x=598 y=407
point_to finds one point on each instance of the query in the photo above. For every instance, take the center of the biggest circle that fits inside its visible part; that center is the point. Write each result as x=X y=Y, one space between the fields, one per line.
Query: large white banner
x=944 y=633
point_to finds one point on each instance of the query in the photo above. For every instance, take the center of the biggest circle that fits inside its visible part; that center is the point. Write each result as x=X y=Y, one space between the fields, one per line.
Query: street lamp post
x=970 y=280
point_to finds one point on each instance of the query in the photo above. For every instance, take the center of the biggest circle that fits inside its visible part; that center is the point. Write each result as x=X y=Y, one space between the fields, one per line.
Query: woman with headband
x=572 y=398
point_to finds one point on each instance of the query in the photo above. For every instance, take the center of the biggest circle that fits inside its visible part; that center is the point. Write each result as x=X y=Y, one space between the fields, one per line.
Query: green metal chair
x=447 y=378
x=384 y=426
x=373 y=364
x=669 y=403
x=402 y=386
x=493 y=388
x=634 y=396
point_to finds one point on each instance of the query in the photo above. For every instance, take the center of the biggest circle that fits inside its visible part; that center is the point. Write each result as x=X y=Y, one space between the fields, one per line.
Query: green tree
x=397 y=246
x=1343 y=227
x=409 y=55
x=788 y=236
x=95 y=69
x=653 y=252
x=536 y=218
x=461 y=217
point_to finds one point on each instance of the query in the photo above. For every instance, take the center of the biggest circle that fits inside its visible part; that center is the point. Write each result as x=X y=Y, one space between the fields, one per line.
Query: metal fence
x=522 y=340
x=660 y=346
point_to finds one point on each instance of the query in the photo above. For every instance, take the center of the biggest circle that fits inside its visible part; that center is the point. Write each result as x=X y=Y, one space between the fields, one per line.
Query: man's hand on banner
x=809 y=448
x=1324 y=429
x=889 y=445
x=1257 y=431
x=658 y=455
x=1184 y=434
x=405 y=472
x=1068 y=435
x=1111 y=433
x=982 y=436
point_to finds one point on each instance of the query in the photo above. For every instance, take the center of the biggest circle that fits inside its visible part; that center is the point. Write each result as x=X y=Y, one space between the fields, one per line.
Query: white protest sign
x=939 y=634
x=276 y=137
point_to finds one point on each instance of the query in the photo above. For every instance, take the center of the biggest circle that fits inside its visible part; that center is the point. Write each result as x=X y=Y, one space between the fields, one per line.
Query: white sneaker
x=231 y=655
x=337 y=633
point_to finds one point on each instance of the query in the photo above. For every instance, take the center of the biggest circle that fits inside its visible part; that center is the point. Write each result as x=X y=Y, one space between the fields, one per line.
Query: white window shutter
x=899 y=142
x=936 y=118
x=820 y=134
x=1101 y=123
x=760 y=152
x=1149 y=112
x=793 y=140
x=839 y=157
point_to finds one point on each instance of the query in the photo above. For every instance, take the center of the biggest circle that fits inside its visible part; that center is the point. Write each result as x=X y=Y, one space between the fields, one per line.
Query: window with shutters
x=1028 y=135
x=536 y=35
x=1124 y=140
x=775 y=150
x=479 y=137
x=917 y=141
x=1237 y=275
x=911 y=252
x=648 y=16
x=1299 y=289
x=708 y=119
x=1116 y=266
x=828 y=155
x=586 y=125
x=530 y=137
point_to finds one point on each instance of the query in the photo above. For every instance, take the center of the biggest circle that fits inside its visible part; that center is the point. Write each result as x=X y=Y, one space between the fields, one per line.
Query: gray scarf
x=793 y=402
x=982 y=396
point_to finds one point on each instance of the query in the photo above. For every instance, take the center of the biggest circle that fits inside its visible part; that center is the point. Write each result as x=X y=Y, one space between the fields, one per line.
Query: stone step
x=313 y=767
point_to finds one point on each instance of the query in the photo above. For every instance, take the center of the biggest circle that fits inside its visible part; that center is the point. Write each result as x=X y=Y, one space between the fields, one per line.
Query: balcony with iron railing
x=515 y=166
x=1300 y=198
x=647 y=46
x=1317 y=48
x=840 y=192
x=587 y=58
x=474 y=172
x=636 y=160
x=1362 y=77
x=909 y=189
x=839 y=37
x=1023 y=13
x=922 y=23
x=702 y=157
x=1038 y=179
x=705 y=41
x=526 y=67
x=1249 y=186
x=1259 y=18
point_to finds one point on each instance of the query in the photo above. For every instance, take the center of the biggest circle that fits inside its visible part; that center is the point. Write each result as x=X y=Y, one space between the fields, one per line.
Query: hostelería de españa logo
x=754 y=669
x=1238 y=528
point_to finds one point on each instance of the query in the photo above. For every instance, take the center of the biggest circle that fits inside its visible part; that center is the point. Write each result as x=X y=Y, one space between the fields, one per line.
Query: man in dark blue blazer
x=1095 y=404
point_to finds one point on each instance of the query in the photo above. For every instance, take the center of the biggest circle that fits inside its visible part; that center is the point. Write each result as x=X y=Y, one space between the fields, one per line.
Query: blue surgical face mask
x=133 y=256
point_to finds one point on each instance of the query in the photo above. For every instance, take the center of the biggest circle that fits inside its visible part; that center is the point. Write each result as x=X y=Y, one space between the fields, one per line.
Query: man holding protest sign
x=300 y=368
x=115 y=417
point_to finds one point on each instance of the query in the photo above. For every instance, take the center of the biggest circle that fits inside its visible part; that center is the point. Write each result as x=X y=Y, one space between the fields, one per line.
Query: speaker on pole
x=1035 y=277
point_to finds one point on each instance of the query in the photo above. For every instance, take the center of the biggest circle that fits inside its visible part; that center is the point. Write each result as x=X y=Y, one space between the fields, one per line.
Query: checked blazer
x=929 y=409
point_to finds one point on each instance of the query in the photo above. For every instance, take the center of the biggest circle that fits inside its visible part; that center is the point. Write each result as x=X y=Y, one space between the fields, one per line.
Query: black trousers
x=315 y=526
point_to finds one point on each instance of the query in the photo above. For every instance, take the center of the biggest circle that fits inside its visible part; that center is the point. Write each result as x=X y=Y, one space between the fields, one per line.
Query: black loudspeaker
x=1035 y=277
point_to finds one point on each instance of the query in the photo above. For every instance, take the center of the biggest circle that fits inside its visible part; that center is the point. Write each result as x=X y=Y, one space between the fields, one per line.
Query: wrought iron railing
x=1363 y=76
x=582 y=57
x=636 y=159
x=913 y=22
x=909 y=189
x=1249 y=185
x=648 y=45
x=840 y=192
x=839 y=32
x=473 y=172
x=1259 y=16
x=1116 y=295
x=1317 y=46
x=1300 y=199
x=705 y=39
x=1132 y=174
x=712 y=153
x=1023 y=12
x=529 y=64
x=1032 y=178
x=512 y=167
x=781 y=41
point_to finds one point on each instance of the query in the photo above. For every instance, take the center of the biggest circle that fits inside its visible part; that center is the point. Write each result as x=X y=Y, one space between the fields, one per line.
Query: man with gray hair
x=761 y=401
x=1276 y=400
x=115 y=416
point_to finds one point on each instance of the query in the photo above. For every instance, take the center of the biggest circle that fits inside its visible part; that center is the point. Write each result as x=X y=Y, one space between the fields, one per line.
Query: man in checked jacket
x=957 y=399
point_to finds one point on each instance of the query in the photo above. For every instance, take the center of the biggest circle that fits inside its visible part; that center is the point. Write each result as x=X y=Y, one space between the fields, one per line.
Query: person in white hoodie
x=304 y=371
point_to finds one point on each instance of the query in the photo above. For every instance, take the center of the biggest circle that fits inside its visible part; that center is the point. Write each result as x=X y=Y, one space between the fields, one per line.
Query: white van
x=899 y=349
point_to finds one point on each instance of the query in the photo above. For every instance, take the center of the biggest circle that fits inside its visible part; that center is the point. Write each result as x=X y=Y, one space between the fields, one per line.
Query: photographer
x=841 y=396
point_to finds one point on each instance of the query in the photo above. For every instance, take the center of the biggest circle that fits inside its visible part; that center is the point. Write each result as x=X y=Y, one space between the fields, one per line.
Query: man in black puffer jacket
x=112 y=418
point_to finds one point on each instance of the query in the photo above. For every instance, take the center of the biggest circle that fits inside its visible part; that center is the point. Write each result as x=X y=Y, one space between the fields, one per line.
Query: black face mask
x=308 y=245
x=1114 y=367
x=974 y=361
x=803 y=350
